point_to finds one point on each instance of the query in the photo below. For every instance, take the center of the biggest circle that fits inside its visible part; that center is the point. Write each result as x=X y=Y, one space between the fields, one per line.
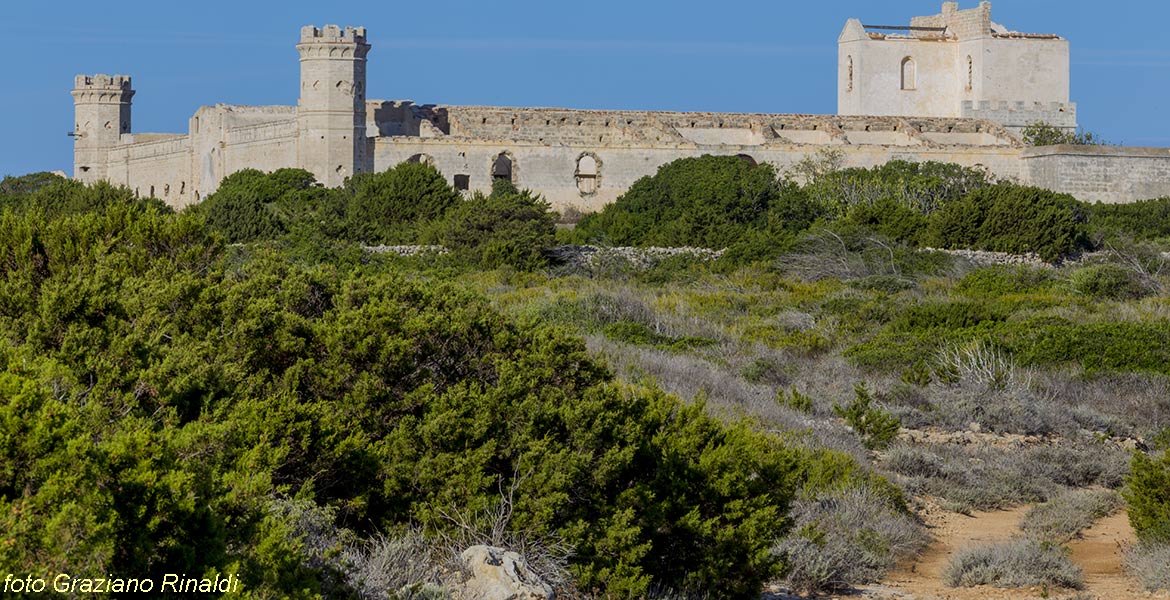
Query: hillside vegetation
x=243 y=387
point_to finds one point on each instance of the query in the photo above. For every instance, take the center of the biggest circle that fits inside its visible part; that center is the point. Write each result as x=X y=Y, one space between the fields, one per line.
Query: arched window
x=425 y=159
x=502 y=167
x=908 y=73
x=849 y=74
x=970 y=73
x=587 y=171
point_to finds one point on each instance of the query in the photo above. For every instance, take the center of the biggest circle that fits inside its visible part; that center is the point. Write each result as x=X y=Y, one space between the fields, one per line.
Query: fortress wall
x=551 y=169
x=267 y=147
x=1110 y=174
x=158 y=168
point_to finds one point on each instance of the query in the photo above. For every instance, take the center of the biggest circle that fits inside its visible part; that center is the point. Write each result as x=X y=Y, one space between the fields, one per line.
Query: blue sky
x=681 y=55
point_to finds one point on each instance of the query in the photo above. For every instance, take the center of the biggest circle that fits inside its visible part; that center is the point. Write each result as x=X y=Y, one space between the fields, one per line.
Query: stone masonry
x=968 y=86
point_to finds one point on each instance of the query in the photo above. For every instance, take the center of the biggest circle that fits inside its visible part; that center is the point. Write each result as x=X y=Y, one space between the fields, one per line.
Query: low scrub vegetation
x=1065 y=516
x=1014 y=564
x=845 y=538
x=1149 y=562
x=681 y=428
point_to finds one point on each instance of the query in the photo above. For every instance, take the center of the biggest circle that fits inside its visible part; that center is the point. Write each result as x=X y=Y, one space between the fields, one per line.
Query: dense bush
x=507 y=227
x=1108 y=282
x=917 y=187
x=243 y=208
x=209 y=383
x=1043 y=134
x=1147 y=495
x=1012 y=218
x=1142 y=220
x=391 y=206
x=710 y=201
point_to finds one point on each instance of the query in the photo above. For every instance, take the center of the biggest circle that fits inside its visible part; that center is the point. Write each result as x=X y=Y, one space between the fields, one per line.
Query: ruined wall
x=964 y=65
x=546 y=155
x=1099 y=173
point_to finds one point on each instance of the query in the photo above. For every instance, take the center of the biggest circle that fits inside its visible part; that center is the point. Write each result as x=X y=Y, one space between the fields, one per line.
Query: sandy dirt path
x=1098 y=552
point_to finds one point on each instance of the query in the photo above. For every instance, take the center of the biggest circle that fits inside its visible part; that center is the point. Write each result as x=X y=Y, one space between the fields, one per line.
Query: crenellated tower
x=331 y=111
x=101 y=108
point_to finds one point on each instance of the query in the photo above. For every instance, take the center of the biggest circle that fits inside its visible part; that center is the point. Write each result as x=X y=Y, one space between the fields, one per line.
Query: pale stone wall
x=551 y=169
x=1099 y=173
x=963 y=112
x=964 y=65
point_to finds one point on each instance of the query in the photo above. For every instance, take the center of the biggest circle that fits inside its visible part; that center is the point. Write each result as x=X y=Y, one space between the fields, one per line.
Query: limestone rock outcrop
x=496 y=574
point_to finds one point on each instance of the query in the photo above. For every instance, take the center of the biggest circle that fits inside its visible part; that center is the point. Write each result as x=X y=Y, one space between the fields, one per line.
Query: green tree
x=392 y=207
x=1044 y=134
x=507 y=227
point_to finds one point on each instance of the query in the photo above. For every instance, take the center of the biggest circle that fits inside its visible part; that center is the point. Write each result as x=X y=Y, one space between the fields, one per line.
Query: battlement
x=1017 y=115
x=102 y=82
x=1003 y=106
x=333 y=34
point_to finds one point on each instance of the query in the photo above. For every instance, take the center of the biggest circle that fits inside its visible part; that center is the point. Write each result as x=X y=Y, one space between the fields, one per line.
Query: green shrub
x=1108 y=282
x=1003 y=280
x=244 y=207
x=1121 y=346
x=1142 y=220
x=1147 y=495
x=1012 y=218
x=1043 y=134
x=392 y=206
x=876 y=427
x=710 y=201
x=795 y=400
x=918 y=187
x=507 y=227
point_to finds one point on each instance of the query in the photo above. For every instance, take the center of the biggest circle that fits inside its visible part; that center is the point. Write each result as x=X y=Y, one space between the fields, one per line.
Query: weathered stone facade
x=587 y=158
x=958 y=63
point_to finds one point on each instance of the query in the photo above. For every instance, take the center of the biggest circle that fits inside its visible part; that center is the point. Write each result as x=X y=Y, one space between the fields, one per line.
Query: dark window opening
x=463 y=182
x=747 y=159
x=502 y=167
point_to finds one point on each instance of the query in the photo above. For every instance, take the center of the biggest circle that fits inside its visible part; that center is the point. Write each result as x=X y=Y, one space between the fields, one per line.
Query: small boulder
x=497 y=574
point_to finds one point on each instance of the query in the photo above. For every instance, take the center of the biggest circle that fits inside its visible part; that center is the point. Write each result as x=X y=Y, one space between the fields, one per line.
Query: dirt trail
x=1098 y=552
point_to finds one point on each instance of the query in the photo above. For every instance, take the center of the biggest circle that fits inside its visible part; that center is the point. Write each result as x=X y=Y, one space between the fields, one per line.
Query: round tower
x=331 y=111
x=101 y=109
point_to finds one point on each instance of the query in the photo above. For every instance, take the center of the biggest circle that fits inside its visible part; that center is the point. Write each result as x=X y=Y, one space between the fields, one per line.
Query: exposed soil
x=1098 y=552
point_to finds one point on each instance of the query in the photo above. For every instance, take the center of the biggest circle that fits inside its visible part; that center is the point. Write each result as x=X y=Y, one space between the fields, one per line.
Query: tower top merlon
x=333 y=34
x=102 y=82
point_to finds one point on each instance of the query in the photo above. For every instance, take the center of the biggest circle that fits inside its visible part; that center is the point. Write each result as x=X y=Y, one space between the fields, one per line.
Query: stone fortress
x=952 y=87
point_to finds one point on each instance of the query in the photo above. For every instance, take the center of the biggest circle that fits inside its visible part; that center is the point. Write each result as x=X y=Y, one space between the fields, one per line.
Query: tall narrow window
x=587 y=174
x=502 y=167
x=849 y=74
x=908 y=73
x=970 y=73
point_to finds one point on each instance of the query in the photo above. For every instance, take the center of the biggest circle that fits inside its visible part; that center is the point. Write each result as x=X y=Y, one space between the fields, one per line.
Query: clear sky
x=740 y=56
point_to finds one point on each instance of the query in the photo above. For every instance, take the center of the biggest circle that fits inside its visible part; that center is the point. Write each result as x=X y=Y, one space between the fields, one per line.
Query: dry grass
x=1150 y=564
x=1065 y=516
x=1014 y=564
x=846 y=538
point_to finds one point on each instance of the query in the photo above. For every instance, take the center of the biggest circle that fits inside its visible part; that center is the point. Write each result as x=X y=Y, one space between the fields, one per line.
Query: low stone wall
x=1111 y=174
